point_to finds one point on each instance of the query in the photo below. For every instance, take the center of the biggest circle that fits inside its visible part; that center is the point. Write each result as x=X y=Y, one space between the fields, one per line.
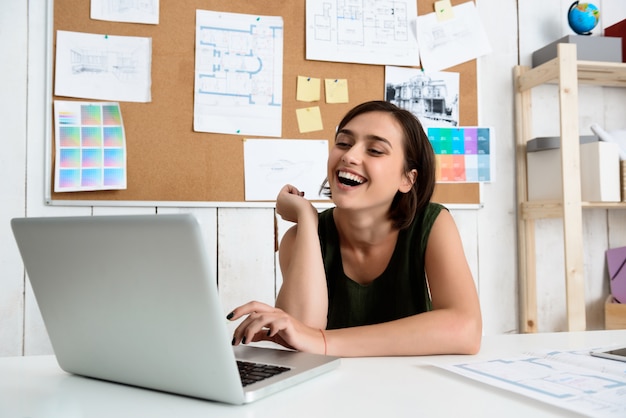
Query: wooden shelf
x=567 y=73
x=554 y=209
x=608 y=74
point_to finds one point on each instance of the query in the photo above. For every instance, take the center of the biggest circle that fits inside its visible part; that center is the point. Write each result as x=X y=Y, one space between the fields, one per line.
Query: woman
x=383 y=272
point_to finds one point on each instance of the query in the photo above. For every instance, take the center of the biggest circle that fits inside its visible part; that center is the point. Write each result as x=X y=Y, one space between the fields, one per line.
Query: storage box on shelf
x=589 y=48
x=618 y=30
x=599 y=169
x=614 y=314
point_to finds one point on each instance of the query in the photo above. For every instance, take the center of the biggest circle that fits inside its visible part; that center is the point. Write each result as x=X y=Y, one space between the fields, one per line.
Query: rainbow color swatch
x=464 y=154
x=90 y=147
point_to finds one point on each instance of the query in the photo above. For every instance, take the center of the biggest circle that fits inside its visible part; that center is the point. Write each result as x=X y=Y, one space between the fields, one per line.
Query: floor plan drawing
x=363 y=31
x=238 y=85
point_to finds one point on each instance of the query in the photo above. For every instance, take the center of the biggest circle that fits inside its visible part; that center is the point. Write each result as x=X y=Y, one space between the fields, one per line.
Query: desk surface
x=36 y=387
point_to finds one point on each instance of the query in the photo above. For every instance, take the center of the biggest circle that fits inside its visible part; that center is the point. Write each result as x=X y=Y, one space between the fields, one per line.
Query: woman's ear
x=408 y=181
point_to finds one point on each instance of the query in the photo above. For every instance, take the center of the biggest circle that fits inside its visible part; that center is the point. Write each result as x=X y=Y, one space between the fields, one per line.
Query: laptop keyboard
x=255 y=372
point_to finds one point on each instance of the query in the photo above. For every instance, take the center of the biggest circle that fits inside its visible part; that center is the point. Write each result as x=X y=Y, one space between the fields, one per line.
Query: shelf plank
x=554 y=209
x=608 y=74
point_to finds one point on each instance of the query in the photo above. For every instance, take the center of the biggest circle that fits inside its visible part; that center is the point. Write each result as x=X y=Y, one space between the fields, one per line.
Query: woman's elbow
x=471 y=335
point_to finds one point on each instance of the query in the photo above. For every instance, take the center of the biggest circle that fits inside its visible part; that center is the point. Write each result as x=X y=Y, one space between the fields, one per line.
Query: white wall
x=235 y=234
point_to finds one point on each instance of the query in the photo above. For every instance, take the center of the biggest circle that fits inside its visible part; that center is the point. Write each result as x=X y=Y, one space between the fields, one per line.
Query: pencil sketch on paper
x=282 y=171
x=269 y=164
x=135 y=11
x=103 y=67
x=362 y=31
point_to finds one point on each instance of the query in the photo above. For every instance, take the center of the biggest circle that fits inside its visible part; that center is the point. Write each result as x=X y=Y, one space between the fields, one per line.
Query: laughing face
x=366 y=164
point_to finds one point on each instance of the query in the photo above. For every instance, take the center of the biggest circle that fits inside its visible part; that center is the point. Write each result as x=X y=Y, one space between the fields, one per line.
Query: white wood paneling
x=495 y=250
x=245 y=257
x=13 y=18
x=241 y=240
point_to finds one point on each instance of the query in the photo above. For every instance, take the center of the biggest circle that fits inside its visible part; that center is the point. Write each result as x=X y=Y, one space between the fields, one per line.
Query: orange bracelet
x=324 y=337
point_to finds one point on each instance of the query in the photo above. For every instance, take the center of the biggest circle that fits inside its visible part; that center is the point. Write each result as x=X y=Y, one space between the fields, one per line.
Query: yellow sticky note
x=309 y=119
x=443 y=10
x=308 y=89
x=336 y=90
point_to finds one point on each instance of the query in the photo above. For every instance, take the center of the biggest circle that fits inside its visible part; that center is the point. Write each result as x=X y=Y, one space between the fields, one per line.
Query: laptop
x=133 y=299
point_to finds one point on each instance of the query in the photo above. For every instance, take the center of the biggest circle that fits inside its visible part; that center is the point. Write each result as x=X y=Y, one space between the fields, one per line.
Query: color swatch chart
x=464 y=154
x=90 y=146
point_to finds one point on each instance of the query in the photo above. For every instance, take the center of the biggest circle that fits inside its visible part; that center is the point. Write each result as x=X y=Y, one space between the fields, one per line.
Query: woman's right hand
x=291 y=204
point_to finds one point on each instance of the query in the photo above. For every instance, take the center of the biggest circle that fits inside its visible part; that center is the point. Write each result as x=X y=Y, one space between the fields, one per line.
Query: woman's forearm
x=303 y=293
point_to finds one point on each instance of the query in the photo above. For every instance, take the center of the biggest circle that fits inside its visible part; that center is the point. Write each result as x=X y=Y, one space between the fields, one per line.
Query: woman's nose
x=351 y=156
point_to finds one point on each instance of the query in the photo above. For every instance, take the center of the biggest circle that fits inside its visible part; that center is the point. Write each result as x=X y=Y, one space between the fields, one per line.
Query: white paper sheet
x=103 y=67
x=568 y=379
x=272 y=163
x=90 y=146
x=239 y=70
x=368 y=32
x=144 y=11
x=446 y=43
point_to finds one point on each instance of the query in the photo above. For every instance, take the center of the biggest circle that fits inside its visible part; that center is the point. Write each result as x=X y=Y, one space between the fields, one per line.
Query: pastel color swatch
x=463 y=154
x=90 y=147
x=91 y=114
x=91 y=136
x=69 y=136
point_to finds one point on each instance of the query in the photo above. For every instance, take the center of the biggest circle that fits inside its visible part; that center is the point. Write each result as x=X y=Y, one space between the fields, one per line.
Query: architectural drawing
x=104 y=67
x=238 y=74
x=367 y=31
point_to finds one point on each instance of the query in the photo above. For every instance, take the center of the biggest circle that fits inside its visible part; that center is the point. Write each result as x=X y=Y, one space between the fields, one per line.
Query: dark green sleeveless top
x=400 y=291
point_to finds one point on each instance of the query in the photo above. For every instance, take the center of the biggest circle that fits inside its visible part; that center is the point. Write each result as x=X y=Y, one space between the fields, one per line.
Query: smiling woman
x=381 y=273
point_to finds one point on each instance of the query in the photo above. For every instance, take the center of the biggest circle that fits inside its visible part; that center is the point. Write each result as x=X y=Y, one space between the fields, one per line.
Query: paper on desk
x=572 y=380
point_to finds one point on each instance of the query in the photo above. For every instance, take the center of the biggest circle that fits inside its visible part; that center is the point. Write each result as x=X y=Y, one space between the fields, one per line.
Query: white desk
x=36 y=387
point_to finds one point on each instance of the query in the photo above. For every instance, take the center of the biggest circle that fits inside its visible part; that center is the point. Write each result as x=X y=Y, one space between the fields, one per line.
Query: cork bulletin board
x=167 y=161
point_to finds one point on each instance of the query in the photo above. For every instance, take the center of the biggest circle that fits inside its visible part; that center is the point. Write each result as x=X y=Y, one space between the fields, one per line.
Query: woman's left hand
x=265 y=323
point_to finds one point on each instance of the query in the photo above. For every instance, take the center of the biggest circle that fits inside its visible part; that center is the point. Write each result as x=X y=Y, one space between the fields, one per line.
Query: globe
x=583 y=17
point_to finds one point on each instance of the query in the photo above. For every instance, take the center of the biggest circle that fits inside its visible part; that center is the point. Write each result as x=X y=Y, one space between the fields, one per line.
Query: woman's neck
x=363 y=229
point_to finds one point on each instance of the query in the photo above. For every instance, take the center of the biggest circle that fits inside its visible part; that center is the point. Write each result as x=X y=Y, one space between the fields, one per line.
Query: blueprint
x=362 y=31
x=238 y=74
x=568 y=379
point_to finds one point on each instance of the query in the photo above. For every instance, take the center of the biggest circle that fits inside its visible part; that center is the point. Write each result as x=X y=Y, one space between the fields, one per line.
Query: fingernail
x=269 y=332
x=230 y=315
x=233 y=341
x=243 y=340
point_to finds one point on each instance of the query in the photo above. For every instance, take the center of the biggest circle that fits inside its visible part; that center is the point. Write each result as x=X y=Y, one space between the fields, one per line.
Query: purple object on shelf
x=616 y=264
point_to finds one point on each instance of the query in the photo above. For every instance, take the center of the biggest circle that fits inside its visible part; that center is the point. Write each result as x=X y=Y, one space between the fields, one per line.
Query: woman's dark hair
x=418 y=155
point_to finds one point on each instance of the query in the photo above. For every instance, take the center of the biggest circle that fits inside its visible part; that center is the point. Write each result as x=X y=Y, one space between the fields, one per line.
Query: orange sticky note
x=308 y=89
x=336 y=90
x=309 y=119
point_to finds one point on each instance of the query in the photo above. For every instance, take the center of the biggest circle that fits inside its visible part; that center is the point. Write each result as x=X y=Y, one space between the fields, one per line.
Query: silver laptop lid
x=131 y=299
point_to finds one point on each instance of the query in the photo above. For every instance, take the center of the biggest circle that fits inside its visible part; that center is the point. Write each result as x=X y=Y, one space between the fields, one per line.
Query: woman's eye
x=374 y=151
x=342 y=145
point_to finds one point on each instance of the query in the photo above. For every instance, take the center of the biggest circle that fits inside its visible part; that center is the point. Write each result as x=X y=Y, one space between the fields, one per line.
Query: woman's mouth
x=350 y=179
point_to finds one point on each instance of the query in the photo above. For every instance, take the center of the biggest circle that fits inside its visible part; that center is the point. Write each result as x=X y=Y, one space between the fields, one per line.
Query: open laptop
x=132 y=299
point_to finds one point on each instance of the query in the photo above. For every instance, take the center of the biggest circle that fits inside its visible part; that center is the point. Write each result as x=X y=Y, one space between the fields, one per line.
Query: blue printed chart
x=464 y=154
x=90 y=146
